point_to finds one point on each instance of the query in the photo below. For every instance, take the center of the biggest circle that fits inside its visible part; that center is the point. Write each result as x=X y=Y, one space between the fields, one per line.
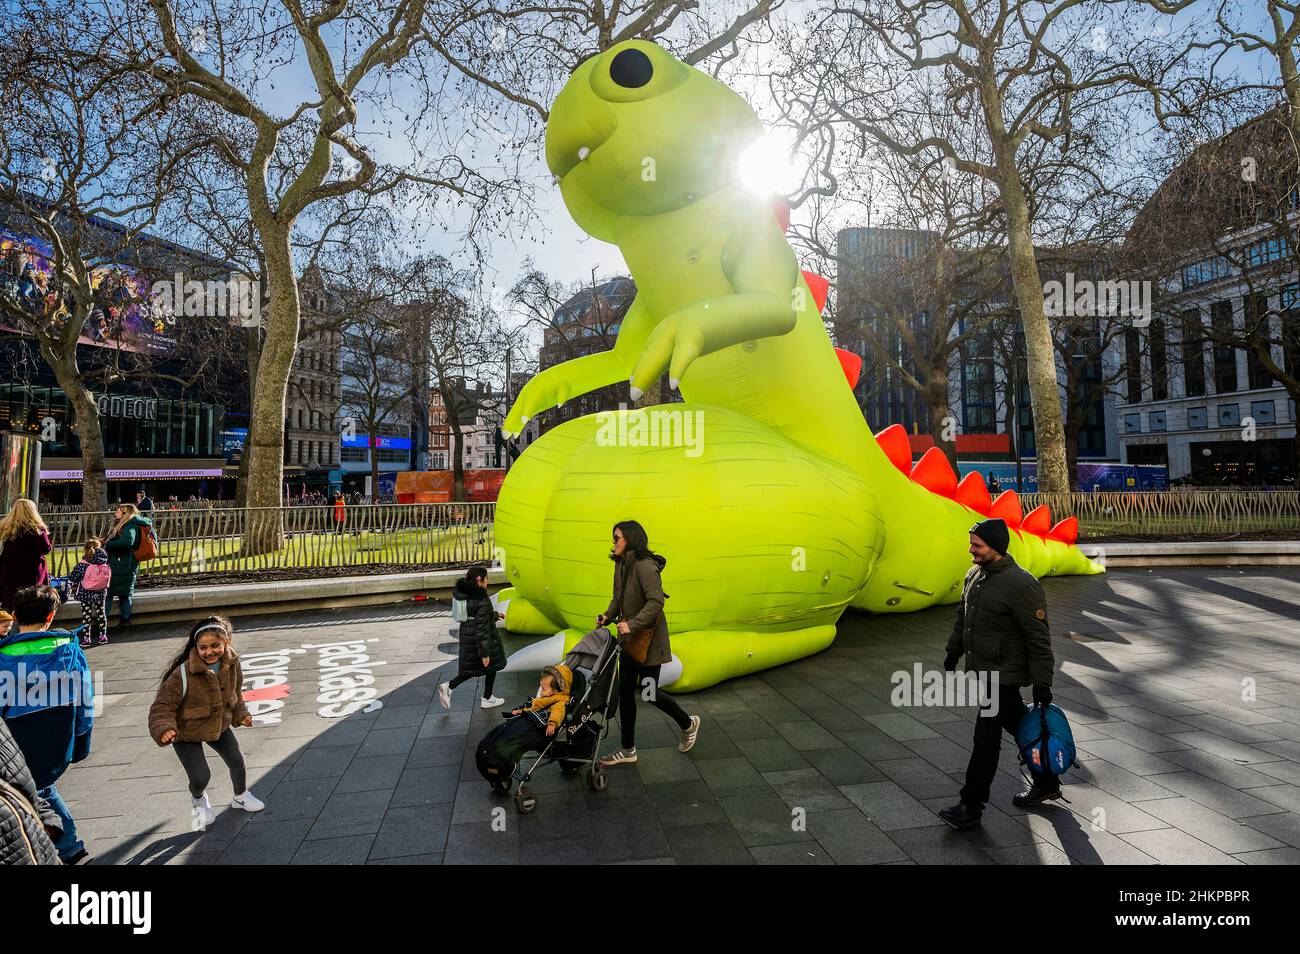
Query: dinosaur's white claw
x=635 y=392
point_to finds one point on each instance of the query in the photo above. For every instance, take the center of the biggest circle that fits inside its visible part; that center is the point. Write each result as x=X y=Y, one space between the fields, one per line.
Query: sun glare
x=765 y=167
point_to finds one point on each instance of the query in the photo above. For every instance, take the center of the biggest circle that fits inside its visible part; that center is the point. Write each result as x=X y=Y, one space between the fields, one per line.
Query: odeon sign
x=143 y=409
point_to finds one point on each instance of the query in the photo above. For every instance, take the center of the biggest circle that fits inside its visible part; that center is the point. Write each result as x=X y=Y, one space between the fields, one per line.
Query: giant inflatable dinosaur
x=775 y=506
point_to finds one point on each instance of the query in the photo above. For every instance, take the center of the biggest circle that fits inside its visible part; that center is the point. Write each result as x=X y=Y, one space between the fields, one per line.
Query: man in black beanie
x=1001 y=629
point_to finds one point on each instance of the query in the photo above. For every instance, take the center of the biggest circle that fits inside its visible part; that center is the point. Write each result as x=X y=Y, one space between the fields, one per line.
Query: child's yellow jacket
x=554 y=704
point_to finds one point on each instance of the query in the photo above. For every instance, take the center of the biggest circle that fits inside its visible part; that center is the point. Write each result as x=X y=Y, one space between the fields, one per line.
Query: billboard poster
x=382 y=441
x=1001 y=475
x=131 y=319
x=233 y=440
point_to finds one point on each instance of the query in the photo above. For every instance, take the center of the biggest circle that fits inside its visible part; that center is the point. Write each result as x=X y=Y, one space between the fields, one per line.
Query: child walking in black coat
x=481 y=651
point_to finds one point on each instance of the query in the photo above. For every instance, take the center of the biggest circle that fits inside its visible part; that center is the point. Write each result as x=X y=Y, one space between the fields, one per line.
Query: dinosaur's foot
x=701 y=658
x=521 y=615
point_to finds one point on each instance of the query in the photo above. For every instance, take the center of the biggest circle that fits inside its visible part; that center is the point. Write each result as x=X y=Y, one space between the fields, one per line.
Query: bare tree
x=356 y=56
x=916 y=288
x=85 y=164
x=380 y=341
x=574 y=320
x=1022 y=81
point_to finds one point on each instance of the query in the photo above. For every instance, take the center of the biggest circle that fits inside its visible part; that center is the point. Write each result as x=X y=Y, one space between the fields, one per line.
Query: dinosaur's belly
x=758 y=532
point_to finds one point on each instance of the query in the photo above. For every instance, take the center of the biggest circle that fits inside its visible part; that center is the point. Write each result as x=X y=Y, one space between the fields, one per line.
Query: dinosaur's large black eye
x=631 y=68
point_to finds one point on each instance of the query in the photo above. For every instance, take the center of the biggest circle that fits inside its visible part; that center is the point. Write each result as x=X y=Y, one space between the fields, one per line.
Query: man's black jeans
x=983 y=764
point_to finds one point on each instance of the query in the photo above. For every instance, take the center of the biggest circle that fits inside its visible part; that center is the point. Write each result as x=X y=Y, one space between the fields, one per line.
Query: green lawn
x=425 y=546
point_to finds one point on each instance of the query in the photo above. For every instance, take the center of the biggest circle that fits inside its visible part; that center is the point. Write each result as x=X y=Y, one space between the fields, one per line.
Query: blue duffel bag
x=1045 y=741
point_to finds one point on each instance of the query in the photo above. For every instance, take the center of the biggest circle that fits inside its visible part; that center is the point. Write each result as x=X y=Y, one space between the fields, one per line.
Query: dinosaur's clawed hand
x=673 y=345
x=548 y=389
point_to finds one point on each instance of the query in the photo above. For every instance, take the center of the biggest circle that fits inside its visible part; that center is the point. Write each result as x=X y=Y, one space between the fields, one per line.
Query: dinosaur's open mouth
x=571 y=158
x=574 y=145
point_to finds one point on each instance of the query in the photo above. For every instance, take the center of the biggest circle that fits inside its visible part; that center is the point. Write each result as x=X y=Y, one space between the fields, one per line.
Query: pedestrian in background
x=88 y=583
x=25 y=540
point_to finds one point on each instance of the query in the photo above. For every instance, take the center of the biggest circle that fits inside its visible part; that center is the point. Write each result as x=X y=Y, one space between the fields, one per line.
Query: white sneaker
x=491 y=703
x=444 y=694
x=248 y=802
x=621 y=757
x=689 y=735
x=202 y=812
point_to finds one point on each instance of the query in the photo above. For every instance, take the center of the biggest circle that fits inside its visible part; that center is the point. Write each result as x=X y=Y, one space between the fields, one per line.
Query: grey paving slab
x=1040 y=853
x=1219 y=831
x=1171 y=846
x=806 y=789
x=889 y=807
x=712 y=843
x=763 y=819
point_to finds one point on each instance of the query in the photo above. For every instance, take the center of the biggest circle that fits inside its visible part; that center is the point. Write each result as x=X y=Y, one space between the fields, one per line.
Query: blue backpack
x=1045 y=741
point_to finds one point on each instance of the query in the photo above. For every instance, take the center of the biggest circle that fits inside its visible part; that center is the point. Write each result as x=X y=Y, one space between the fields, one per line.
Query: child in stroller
x=564 y=723
x=549 y=706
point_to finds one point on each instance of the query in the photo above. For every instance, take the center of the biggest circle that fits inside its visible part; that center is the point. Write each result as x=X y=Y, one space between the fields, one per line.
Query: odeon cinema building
x=170 y=381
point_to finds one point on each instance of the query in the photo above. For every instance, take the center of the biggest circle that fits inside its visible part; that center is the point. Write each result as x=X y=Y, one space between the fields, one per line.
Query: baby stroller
x=576 y=744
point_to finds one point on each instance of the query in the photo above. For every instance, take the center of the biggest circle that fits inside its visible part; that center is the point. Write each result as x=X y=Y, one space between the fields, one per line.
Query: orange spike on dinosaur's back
x=851 y=365
x=1038 y=521
x=1007 y=506
x=1067 y=531
x=974 y=493
x=893 y=441
x=934 y=473
x=820 y=288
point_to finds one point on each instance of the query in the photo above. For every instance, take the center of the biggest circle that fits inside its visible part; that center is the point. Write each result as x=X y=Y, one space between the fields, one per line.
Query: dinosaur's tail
x=1045 y=548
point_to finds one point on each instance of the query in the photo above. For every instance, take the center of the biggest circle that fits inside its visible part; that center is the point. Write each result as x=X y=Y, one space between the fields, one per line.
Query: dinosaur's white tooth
x=555 y=180
x=583 y=153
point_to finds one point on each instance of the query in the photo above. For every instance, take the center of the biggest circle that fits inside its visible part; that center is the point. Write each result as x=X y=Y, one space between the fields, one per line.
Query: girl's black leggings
x=195 y=762
x=643 y=682
x=487 y=683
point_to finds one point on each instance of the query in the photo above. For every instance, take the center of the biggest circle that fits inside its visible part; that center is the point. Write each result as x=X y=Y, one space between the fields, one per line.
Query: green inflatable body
x=774 y=504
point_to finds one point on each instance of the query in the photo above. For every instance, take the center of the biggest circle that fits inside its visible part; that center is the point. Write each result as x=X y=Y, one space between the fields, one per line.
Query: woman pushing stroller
x=638 y=605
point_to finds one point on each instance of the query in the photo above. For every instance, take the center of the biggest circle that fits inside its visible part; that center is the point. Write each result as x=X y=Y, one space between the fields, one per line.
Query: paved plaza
x=1182 y=684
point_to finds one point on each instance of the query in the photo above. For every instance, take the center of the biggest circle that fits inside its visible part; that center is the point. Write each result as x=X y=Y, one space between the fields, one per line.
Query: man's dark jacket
x=1002 y=625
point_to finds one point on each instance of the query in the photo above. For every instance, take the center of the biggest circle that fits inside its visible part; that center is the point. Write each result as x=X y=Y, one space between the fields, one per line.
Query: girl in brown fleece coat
x=200 y=700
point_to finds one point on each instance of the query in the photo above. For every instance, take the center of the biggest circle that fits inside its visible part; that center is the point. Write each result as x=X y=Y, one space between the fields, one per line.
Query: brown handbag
x=636 y=645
